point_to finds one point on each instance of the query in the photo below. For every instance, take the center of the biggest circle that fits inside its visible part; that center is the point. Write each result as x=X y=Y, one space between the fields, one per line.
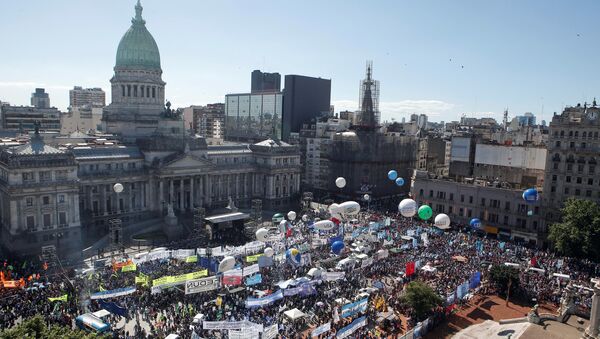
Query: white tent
x=101 y=314
x=198 y=318
x=294 y=314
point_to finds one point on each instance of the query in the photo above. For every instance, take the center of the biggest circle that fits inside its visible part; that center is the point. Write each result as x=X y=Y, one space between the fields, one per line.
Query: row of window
x=577 y=192
x=46 y=221
x=578 y=180
x=44 y=176
x=493 y=203
x=580 y=168
x=30 y=201
x=575 y=134
x=109 y=167
x=144 y=91
x=572 y=145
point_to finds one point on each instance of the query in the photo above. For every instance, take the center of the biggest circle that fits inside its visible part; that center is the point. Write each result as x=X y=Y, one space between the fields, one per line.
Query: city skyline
x=474 y=71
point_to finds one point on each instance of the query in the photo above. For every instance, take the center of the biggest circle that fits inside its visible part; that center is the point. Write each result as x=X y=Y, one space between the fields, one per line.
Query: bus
x=91 y=323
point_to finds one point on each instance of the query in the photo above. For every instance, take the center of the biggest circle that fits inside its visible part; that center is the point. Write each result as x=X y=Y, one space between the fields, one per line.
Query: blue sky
x=443 y=58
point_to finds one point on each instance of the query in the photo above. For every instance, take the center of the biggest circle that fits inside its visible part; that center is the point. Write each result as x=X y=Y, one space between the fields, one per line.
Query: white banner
x=217 y=251
x=321 y=329
x=250 y=333
x=367 y=262
x=234 y=272
x=158 y=255
x=113 y=293
x=332 y=276
x=201 y=285
x=250 y=270
x=231 y=325
x=271 y=332
x=201 y=252
x=383 y=254
x=182 y=254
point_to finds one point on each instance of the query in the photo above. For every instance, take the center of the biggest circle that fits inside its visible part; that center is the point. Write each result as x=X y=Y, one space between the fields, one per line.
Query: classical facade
x=60 y=192
x=39 y=198
x=573 y=153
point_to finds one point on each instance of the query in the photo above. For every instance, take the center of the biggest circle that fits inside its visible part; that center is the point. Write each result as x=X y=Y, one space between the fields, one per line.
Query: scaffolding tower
x=369 y=99
x=115 y=233
x=256 y=213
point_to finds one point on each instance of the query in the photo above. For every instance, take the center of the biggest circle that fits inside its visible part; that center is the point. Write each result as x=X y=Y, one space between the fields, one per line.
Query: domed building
x=138 y=91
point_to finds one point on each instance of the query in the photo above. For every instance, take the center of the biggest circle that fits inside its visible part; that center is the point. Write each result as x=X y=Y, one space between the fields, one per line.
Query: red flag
x=410 y=268
x=288 y=233
x=335 y=220
x=533 y=261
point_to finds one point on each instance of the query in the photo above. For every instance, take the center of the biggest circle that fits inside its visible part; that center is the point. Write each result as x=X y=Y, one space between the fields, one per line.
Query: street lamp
x=115 y=229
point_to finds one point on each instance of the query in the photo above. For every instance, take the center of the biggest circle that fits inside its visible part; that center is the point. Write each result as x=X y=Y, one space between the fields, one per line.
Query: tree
x=36 y=328
x=500 y=275
x=421 y=299
x=578 y=235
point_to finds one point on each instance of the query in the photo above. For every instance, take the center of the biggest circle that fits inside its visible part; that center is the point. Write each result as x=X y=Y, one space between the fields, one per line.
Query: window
x=61 y=198
x=583 y=144
x=554 y=177
x=470 y=199
x=451 y=197
x=569 y=167
x=461 y=211
x=431 y=193
x=557 y=144
x=590 y=181
x=28 y=177
x=580 y=168
x=46 y=200
x=591 y=169
x=579 y=180
x=552 y=189
x=45 y=176
x=566 y=190
x=450 y=209
x=588 y=193
x=555 y=165
x=62 y=218
x=572 y=144
x=493 y=217
x=29 y=201
x=469 y=213
x=421 y=192
x=577 y=192
x=154 y=92
x=30 y=222
x=568 y=179
x=482 y=201
x=462 y=198
x=505 y=220
x=47 y=221
x=507 y=205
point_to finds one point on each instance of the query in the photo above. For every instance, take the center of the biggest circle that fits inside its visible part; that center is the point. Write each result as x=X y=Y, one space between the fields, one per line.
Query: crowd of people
x=155 y=315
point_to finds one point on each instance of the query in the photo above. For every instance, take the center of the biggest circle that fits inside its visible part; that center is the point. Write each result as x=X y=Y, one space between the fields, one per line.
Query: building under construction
x=363 y=155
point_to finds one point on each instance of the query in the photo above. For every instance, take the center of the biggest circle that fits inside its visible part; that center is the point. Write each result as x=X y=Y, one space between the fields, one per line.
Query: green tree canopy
x=36 y=328
x=421 y=298
x=500 y=275
x=578 y=235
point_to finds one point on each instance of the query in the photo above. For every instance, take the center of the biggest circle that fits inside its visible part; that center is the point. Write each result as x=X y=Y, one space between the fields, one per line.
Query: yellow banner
x=129 y=268
x=192 y=258
x=179 y=278
x=253 y=258
x=61 y=298
x=144 y=280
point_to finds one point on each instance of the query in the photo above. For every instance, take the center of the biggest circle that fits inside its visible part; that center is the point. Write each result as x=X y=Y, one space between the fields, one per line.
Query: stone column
x=15 y=216
x=192 y=192
x=181 y=196
x=161 y=197
x=171 y=192
x=593 y=330
x=208 y=190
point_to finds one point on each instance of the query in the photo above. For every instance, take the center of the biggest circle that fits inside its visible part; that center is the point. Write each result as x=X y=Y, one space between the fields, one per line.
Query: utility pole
x=508 y=290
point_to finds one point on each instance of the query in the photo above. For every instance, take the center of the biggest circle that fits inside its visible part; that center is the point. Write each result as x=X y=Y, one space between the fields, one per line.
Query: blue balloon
x=337 y=247
x=530 y=195
x=399 y=182
x=392 y=175
x=475 y=223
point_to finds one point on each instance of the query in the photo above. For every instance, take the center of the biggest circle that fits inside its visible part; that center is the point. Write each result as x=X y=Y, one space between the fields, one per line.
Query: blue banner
x=113 y=308
x=475 y=280
x=349 y=310
x=264 y=301
x=113 y=293
x=254 y=280
x=353 y=327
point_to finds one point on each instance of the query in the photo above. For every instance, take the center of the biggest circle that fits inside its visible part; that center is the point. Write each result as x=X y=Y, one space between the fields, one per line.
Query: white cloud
x=398 y=109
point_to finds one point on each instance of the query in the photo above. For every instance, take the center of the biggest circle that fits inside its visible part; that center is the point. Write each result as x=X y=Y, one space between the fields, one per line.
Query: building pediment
x=187 y=161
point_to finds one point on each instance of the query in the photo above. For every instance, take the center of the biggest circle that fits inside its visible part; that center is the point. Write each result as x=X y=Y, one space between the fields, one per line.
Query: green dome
x=137 y=47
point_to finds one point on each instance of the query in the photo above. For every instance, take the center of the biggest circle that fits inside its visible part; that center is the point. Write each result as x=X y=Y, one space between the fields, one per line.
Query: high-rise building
x=253 y=117
x=87 y=97
x=305 y=98
x=207 y=121
x=265 y=82
x=40 y=99
x=572 y=163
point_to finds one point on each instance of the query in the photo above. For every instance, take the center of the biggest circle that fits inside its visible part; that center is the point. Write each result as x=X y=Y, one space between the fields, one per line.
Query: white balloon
x=366 y=197
x=261 y=234
x=305 y=218
x=442 y=220
x=324 y=225
x=334 y=208
x=340 y=182
x=291 y=215
x=226 y=264
x=118 y=187
x=349 y=208
x=408 y=208
x=283 y=226
x=269 y=252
